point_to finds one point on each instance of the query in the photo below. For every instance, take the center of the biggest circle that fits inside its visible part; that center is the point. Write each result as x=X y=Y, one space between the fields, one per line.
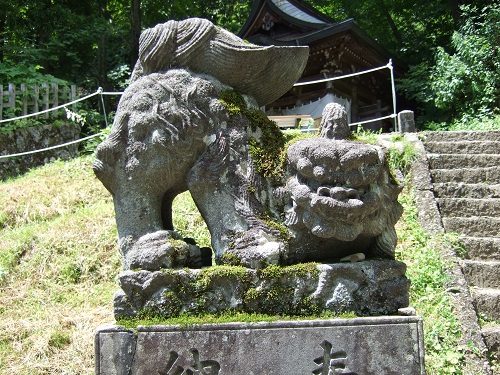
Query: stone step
x=471 y=191
x=454 y=161
x=491 y=336
x=463 y=147
x=469 y=206
x=481 y=248
x=474 y=226
x=488 y=175
x=481 y=274
x=487 y=302
x=449 y=136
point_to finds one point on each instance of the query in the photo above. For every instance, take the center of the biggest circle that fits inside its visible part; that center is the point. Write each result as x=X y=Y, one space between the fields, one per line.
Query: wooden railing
x=20 y=100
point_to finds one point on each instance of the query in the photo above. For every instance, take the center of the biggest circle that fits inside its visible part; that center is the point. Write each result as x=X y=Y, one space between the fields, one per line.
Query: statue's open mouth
x=344 y=203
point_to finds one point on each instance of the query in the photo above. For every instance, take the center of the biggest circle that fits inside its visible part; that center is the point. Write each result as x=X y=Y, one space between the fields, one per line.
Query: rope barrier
x=373 y=120
x=389 y=65
x=98 y=92
x=50 y=148
x=112 y=93
x=393 y=90
x=54 y=108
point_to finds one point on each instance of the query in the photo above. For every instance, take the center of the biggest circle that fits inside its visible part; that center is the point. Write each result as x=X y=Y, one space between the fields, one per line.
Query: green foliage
x=91 y=124
x=20 y=73
x=365 y=136
x=230 y=14
x=465 y=83
x=474 y=123
x=188 y=221
x=407 y=29
x=59 y=339
x=120 y=76
x=401 y=156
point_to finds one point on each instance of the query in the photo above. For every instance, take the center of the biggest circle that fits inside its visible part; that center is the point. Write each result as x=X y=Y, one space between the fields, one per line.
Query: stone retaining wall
x=35 y=138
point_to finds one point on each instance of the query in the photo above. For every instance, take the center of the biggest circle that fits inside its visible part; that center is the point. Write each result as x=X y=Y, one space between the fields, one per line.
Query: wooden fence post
x=1 y=101
x=36 y=92
x=55 y=101
x=24 y=98
x=32 y=99
x=46 y=94
x=12 y=96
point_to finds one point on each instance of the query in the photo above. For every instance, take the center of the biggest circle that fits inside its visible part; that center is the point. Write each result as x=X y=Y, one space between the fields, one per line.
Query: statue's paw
x=162 y=249
x=254 y=252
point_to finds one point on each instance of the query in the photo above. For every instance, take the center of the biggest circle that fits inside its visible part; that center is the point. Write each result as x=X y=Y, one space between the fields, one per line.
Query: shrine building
x=335 y=49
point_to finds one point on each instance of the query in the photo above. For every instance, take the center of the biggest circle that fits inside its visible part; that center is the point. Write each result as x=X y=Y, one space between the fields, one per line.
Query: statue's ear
x=157 y=47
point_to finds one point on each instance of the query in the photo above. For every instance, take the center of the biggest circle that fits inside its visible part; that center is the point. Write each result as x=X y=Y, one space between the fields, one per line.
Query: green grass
x=59 y=260
x=427 y=272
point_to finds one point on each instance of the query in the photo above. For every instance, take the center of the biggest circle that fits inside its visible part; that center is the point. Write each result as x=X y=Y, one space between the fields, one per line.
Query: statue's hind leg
x=224 y=197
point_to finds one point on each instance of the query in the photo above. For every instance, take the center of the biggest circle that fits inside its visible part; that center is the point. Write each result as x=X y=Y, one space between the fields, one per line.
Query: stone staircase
x=465 y=175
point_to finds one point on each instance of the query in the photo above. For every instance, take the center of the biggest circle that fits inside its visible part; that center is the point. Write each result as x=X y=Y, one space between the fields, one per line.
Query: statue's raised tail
x=265 y=73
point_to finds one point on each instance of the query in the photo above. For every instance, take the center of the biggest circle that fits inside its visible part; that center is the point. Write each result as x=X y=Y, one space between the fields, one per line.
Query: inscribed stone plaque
x=360 y=346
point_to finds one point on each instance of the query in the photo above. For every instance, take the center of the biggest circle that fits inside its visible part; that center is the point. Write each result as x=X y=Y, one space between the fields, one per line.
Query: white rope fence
x=50 y=148
x=99 y=92
x=393 y=89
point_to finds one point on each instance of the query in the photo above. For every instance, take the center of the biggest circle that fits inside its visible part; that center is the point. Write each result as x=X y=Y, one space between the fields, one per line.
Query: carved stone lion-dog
x=173 y=132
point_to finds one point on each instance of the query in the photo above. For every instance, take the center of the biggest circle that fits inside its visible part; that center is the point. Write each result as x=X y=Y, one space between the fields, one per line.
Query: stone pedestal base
x=377 y=345
x=373 y=287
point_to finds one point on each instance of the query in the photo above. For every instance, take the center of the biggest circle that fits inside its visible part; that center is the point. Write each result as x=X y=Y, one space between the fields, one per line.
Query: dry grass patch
x=47 y=192
x=58 y=264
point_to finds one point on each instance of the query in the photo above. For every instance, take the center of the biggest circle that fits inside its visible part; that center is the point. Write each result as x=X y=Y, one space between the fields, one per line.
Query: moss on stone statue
x=267 y=151
x=172 y=305
x=149 y=318
x=296 y=270
x=181 y=251
x=277 y=294
x=233 y=101
x=272 y=291
x=225 y=273
x=230 y=259
x=281 y=228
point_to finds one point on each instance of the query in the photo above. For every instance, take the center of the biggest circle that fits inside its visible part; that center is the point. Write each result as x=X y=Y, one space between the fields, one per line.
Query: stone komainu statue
x=190 y=121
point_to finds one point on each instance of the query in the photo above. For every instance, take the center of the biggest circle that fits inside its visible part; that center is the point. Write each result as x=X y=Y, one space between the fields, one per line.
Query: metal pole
x=396 y=125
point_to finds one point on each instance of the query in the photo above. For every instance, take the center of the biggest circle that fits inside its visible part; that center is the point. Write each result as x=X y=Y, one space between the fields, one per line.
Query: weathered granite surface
x=364 y=288
x=385 y=345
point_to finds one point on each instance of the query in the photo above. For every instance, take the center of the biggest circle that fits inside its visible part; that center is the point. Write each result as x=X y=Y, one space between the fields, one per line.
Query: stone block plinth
x=368 y=288
x=360 y=346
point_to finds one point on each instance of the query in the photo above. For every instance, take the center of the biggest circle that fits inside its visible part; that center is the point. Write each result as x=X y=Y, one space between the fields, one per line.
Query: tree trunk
x=455 y=12
x=2 y=35
x=136 y=31
x=390 y=21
